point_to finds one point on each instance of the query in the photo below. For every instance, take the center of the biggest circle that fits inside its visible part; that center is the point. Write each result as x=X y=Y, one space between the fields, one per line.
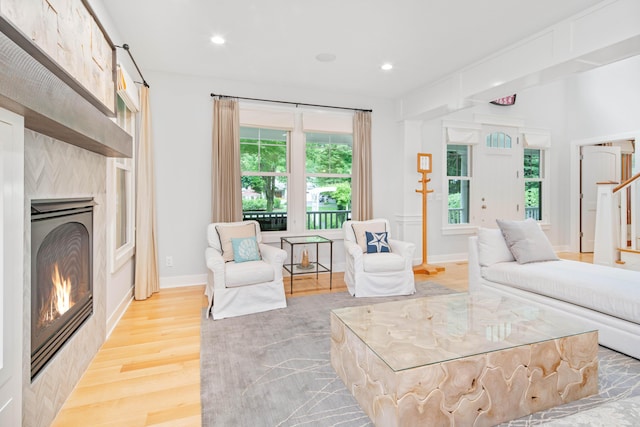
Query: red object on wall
x=507 y=100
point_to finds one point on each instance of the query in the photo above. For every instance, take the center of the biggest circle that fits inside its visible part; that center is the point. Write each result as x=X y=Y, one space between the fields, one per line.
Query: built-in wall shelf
x=50 y=105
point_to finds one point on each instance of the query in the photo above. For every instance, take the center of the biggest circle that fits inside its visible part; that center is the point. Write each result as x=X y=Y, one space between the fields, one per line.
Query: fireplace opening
x=61 y=274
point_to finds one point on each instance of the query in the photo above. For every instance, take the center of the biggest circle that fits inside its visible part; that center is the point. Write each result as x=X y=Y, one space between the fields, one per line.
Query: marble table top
x=420 y=331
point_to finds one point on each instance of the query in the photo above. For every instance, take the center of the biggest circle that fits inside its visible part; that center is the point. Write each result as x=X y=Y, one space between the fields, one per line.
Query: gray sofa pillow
x=526 y=241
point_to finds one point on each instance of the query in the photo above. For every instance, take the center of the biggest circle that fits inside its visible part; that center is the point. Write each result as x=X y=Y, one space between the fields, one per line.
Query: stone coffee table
x=461 y=359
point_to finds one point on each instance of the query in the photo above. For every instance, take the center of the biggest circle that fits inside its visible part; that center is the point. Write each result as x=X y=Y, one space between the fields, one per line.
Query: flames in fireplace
x=59 y=299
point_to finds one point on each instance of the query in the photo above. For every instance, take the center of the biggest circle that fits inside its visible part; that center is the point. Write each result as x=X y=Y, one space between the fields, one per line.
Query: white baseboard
x=182 y=281
x=117 y=314
x=439 y=259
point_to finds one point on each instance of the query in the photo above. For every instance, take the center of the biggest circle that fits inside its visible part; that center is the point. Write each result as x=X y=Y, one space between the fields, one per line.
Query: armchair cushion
x=247 y=273
x=377 y=242
x=361 y=227
x=245 y=249
x=382 y=263
x=227 y=232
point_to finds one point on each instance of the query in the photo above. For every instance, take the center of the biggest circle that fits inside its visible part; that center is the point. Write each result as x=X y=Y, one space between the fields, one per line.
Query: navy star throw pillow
x=377 y=242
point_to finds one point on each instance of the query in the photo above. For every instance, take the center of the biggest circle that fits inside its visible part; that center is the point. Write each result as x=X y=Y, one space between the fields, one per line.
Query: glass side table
x=314 y=266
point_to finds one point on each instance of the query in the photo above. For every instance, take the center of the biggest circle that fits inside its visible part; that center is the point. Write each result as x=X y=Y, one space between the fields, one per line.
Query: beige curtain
x=361 y=202
x=226 y=197
x=146 y=263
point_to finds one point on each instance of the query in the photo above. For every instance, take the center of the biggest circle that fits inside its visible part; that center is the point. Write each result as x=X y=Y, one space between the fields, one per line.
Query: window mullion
x=298 y=197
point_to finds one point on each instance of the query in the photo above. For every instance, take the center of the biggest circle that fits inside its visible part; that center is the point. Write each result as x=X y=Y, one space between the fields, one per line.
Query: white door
x=497 y=177
x=11 y=271
x=597 y=164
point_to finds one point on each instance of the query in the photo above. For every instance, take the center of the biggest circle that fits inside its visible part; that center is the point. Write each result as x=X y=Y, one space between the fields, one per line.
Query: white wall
x=182 y=123
x=604 y=101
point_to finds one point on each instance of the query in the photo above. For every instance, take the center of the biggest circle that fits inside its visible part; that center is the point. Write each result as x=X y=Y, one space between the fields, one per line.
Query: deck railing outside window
x=316 y=220
x=458 y=215
x=533 y=212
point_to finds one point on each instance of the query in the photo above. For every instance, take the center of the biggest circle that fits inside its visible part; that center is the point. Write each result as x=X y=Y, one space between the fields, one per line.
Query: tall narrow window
x=458 y=182
x=328 y=170
x=123 y=176
x=533 y=179
x=121 y=194
x=265 y=172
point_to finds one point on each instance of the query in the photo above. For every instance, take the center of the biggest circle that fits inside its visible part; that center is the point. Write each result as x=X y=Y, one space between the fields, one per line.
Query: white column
x=410 y=222
x=607 y=226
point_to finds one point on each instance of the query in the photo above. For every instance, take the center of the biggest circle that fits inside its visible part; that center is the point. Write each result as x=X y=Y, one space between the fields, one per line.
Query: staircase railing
x=616 y=219
x=629 y=212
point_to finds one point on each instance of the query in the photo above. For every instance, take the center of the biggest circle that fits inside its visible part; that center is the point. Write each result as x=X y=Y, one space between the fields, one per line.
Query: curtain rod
x=126 y=47
x=292 y=103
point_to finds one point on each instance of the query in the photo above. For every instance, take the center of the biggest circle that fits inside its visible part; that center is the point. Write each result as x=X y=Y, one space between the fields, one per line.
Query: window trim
x=445 y=180
x=253 y=115
x=119 y=256
x=544 y=180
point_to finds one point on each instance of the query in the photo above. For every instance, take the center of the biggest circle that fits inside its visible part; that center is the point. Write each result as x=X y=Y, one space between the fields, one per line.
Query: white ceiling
x=276 y=41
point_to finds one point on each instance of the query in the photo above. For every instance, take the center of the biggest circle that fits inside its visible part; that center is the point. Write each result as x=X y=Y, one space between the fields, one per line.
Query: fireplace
x=61 y=274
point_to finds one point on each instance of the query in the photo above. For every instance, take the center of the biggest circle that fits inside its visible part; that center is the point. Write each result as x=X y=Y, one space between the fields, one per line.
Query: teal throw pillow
x=377 y=242
x=245 y=249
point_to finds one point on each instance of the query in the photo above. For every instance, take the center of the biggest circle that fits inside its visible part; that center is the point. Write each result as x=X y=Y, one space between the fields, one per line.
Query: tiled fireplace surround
x=54 y=169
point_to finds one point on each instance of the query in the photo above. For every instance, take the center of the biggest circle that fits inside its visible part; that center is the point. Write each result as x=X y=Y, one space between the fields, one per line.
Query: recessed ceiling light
x=386 y=66
x=217 y=40
x=326 y=57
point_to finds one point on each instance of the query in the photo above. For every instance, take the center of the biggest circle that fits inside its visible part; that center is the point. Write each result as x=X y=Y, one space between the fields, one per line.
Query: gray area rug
x=273 y=369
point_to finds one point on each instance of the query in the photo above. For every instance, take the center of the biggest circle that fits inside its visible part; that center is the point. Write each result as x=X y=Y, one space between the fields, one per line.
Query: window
x=498 y=140
x=123 y=177
x=328 y=170
x=533 y=179
x=120 y=193
x=458 y=183
x=263 y=161
x=296 y=168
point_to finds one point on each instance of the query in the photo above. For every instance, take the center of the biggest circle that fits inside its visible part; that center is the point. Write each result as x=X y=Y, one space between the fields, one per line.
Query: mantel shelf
x=50 y=106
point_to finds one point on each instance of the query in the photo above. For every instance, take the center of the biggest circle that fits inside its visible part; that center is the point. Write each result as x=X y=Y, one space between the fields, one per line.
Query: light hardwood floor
x=148 y=372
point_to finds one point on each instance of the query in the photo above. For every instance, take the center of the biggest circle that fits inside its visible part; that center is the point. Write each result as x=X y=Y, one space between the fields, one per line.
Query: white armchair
x=376 y=274
x=237 y=288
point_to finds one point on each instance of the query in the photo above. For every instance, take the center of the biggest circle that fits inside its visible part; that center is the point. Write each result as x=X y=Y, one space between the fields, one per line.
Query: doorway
x=598 y=163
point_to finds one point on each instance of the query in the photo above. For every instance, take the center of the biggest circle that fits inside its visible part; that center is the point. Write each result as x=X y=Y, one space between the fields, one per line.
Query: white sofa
x=604 y=298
